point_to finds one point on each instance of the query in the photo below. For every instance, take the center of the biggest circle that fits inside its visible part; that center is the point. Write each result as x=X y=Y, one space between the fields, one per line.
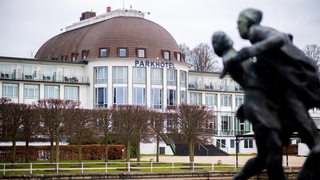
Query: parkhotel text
x=155 y=64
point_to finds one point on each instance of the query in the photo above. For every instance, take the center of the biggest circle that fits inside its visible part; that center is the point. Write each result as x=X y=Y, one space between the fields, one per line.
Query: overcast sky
x=27 y=24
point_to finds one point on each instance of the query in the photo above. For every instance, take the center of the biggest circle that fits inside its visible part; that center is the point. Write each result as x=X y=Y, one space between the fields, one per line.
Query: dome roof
x=117 y=32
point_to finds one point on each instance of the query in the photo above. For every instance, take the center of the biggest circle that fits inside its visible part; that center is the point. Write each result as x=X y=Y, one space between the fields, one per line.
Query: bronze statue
x=288 y=83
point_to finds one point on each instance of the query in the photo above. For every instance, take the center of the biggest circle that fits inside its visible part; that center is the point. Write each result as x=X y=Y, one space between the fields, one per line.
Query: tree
x=30 y=126
x=103 y=124
x=192 y=123
x=3 y=117
x=202 y=58
x=157 y=125
x=13 y=114
x=130 y=126
x=52 y=114
x=78 y=125
x=313 y=51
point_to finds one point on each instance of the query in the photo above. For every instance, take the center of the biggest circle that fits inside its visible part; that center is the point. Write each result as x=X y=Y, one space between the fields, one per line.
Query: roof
x=121 y=31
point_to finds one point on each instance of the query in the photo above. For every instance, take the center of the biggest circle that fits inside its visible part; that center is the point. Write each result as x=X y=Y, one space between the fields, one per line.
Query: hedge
x=67 y=152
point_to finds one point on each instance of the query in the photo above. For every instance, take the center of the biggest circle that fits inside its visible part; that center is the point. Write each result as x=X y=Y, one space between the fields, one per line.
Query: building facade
x=122 y=58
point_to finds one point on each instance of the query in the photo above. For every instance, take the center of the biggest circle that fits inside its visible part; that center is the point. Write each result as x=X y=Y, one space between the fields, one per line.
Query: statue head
x=247 y=18
x=221 y=43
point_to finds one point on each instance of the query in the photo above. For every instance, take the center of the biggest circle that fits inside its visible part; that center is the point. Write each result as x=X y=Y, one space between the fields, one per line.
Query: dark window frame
x=107 y=52
x=145 y=52
x=118 y=52
x=84 y=54
x=74 y=57
x=163 y=52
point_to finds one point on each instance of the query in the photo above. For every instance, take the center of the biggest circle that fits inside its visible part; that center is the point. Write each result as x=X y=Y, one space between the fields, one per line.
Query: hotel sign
x=156 y=64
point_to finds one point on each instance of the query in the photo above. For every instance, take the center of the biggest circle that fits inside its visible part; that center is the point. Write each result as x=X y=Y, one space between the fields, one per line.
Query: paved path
x=292 y=160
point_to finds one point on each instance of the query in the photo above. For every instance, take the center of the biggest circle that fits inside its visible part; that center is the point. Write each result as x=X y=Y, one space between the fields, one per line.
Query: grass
x=113 y=166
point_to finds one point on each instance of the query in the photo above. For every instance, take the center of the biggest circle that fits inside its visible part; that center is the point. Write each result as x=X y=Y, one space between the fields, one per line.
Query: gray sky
x=27 y=24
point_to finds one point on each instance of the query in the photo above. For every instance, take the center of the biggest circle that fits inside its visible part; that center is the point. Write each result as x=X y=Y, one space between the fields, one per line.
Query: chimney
x=87 y=15
x=108 y=9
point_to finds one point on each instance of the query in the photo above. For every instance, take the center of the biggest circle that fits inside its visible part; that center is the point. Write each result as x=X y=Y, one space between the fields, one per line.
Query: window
x=166 y=54
x=156 y=98
x=223 y=85
x=71 y=93
x=10 y=90
x=139 y=96
x=171 y=77
x=120 y=95
x=170 y=125
x=122 y=52
x=183 y=78
x=104 y=52
x=171 y=97
x=31 y=91
x=74 y=57
x=248 y=143
x=211 y=100
x=183 y=97
x=156 y=76
x=238 y=87
x=84 y=54
x=139 y=75
x=101 y=75
x=101 y=97
x=51 y=92
x=195 y=98
x=232 y=141
x=178 y=56
x=141 y=53
x=225 y=125
x=49 y=73
x=239 y=100
x=221 y=143
x=120 y=75
x=225 y=100
x=29 y=71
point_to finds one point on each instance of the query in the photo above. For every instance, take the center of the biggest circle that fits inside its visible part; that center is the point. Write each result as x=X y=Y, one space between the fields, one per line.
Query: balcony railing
x=213 y=87
x=43 y=77
x=229 y=132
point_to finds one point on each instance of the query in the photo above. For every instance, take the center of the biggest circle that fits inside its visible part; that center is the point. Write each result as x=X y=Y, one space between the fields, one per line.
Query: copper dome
x=117 y=32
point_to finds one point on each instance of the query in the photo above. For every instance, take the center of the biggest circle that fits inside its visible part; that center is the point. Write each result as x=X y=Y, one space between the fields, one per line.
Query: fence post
x=4 y=169
x=128 y=166
x=30 y=168
x=106 y=167
x=172 y=166
x=81 y=167
x=151 y=166
x=212 y=167
x=57 y=167
x=192 y=166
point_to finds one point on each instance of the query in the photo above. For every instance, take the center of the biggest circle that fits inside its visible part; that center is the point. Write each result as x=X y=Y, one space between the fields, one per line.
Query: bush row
x=67 y=152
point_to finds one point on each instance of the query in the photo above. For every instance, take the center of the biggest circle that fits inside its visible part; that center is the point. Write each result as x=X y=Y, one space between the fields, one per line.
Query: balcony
x=38 y=77
x=229 y=132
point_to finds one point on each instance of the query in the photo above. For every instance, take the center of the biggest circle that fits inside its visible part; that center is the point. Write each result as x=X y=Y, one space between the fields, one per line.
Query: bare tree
x=4 y=136
x=78 y=125
x=313 y=51
x=52 y=113
x=157 y=125
x=13 y=121
x=30 y=126
x=103 y=125
x=192 y=122
x=202 y=58
x=130 y=125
